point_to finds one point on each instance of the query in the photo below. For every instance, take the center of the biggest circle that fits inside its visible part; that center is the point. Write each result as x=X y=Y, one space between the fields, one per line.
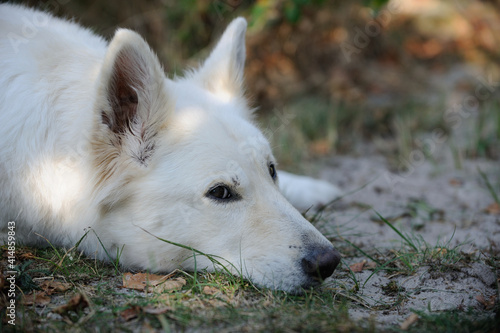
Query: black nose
x=320 y=262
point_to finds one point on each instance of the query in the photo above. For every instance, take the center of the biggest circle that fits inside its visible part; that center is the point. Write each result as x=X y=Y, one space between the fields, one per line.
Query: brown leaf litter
x=152 y=282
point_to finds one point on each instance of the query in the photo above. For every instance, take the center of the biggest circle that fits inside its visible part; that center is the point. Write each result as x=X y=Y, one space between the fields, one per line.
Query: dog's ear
x=222 y=71
x=132 y=100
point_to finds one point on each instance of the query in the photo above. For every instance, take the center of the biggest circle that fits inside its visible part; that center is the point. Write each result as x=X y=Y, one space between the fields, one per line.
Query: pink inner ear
x=122 y=91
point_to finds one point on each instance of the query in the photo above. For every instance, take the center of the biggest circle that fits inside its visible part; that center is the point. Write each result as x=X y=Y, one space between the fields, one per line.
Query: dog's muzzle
x=320 y=262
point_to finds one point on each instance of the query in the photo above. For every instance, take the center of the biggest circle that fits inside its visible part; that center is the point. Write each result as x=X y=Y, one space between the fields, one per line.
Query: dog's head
x=182 y=160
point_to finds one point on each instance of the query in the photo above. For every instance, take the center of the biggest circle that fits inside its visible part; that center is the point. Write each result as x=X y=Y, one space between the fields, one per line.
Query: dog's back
x=48 y=72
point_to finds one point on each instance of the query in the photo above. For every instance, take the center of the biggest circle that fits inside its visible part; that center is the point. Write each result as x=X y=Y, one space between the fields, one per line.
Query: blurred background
x=332 y=77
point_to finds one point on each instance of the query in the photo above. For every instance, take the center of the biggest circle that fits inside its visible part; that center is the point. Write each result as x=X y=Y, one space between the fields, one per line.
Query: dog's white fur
x=94 y=136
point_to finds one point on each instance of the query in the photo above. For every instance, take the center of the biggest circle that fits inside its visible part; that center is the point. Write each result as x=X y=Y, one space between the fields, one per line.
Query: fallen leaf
x=423 y=49
x=38 y=298
x=140 y=281
x=170 y=285
x=409 y=321
x=51 y=287
x=152 y=282
x=456 y=182
x=493 y=209
x=321 y=147
x=440 y=252
x=488 y=304
x=77 y=302
x=27 y=255
x=357 y=267
x=130 y=313
x=208 y=290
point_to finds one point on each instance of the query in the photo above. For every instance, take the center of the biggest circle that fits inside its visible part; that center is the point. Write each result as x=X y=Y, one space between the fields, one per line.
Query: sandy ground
x=444 y=205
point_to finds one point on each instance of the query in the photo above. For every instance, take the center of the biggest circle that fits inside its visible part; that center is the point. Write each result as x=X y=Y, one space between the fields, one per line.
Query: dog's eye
x=220 y=192
x=272 y=171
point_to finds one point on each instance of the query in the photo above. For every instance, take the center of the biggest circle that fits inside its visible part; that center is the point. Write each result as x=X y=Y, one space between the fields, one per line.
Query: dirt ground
x=433 y=201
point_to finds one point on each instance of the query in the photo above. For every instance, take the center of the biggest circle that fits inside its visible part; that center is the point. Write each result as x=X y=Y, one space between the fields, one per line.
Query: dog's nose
x=320 y=262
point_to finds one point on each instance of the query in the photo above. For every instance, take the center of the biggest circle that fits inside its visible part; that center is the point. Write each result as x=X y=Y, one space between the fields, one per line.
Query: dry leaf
x=51 y=287
x=130 y=313
x=140 y=281
x=409 y=321
x=493 y=209
x=27 y=255
x=39 y=298
x=157 y=283
x=207 y=290
x=423 y=49
x=170 y=285
x=456 y=182
x=77 y=302
x=440 y=252
x=321 y=147
x=357 y=267
x=488 y=304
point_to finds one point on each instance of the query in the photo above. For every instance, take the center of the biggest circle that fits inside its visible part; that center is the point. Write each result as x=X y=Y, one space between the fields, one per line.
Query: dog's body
x=94 y=136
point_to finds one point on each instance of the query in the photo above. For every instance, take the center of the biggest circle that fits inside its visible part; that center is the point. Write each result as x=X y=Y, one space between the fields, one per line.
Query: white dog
x=93 y=135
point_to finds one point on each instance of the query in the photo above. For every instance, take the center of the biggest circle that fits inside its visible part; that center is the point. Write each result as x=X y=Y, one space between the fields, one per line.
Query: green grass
x=490 y=187
x=235 y=304
x=456 y=322
x=415 y=252
x=214 y=301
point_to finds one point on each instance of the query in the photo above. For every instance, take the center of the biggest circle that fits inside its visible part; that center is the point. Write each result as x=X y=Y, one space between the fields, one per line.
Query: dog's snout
x=320 y=263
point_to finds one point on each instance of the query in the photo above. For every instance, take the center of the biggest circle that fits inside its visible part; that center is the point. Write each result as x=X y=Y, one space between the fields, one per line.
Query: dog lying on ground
x=94 y=136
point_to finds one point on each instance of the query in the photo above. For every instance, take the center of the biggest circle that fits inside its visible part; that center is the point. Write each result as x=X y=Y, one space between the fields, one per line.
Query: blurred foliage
x=375 y=4
x=395 y=66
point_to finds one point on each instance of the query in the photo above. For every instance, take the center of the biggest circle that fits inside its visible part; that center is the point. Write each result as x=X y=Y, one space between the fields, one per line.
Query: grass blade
x=490 y=187
x=363 y=252
x=397 y=231
x=115 y=265
x=192 y=249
